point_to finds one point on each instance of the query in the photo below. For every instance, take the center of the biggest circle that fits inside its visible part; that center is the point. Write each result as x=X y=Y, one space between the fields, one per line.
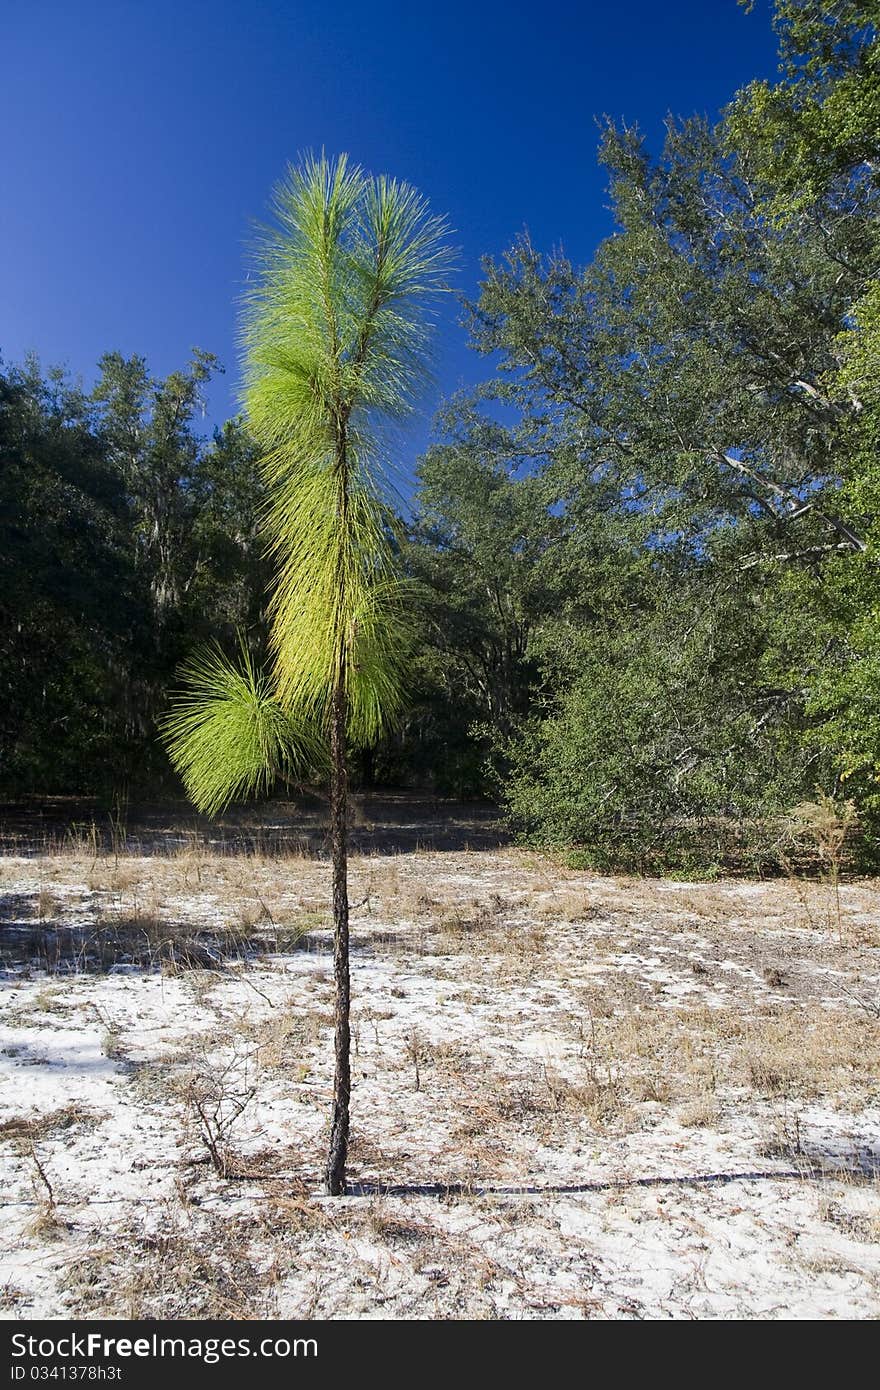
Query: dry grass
x=23 y=1131
x=515 y=1024
x=173 y=1274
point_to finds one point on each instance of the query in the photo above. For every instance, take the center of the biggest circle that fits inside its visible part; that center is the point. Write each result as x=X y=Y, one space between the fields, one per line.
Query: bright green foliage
x=335 y=338
x=230 y=710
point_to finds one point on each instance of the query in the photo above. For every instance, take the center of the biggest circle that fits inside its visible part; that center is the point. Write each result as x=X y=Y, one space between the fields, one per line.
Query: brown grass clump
x=826 y=1054
x=175 y=1274
x=22 y=1131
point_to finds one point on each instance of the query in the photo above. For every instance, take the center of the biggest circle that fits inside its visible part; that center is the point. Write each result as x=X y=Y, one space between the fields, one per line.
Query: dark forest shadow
x=379 y=823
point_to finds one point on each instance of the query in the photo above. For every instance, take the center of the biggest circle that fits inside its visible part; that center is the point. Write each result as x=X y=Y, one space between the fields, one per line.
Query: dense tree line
x=644 y=552
x=125 y=537
x=658 y=586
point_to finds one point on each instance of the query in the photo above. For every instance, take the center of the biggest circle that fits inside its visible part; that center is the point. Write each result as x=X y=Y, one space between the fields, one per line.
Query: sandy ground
x=574 y=1096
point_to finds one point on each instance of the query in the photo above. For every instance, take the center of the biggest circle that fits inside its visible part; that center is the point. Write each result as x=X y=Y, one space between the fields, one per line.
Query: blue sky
x=141 y=140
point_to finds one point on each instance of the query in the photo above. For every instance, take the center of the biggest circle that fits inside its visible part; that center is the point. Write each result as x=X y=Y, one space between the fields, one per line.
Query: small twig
x=44 y=1179
x=257 y=990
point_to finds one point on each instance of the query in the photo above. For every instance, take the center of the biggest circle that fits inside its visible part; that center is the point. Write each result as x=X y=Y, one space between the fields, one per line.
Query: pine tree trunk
x=339 y=849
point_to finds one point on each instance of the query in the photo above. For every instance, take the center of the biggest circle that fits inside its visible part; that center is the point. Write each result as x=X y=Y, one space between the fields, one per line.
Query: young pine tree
x=335 y=336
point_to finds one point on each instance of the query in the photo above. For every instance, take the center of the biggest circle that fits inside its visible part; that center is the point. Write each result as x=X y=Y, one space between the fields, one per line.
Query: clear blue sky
x=142 y=137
